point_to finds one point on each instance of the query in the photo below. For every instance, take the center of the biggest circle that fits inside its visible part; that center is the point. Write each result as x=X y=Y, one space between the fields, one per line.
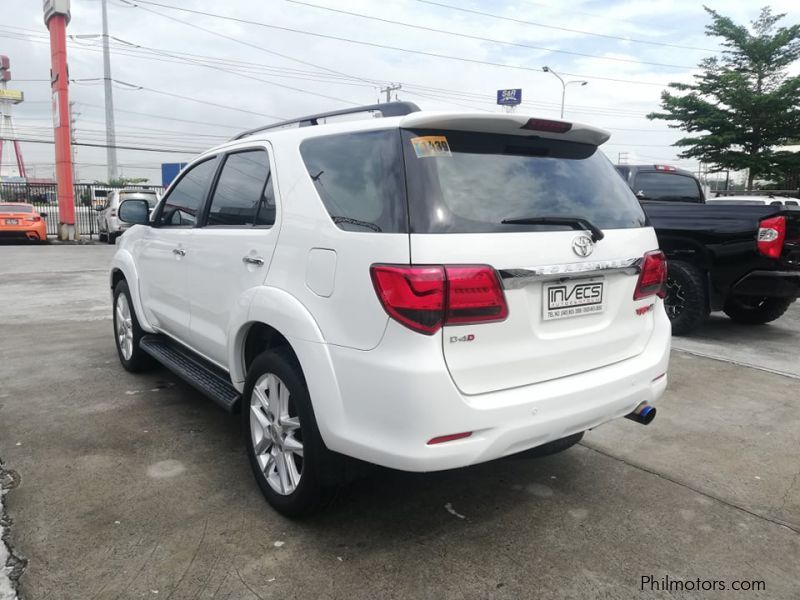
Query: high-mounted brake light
x=547 y=125
x=425 y=298
x=653 y=276
x=665 y=168
x=771 y=234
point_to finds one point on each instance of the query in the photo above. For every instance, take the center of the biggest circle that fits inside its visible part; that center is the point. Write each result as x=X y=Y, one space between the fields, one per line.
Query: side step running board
x=193 y=369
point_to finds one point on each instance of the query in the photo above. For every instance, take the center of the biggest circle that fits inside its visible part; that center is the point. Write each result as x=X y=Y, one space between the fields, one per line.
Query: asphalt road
x=124 y=486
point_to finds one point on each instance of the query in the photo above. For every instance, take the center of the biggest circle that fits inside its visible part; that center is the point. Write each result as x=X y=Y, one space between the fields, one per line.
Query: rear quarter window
x=359 y=178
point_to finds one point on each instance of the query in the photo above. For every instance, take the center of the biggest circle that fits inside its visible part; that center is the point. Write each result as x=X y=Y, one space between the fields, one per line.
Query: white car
x=421 y=291
x=754 y=200
x=109 y=226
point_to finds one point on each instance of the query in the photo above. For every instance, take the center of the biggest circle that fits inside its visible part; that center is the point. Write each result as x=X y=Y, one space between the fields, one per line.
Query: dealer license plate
x=565 y=299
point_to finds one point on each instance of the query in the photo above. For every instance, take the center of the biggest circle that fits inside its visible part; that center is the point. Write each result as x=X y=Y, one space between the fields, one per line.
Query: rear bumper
x=397 y=397
x=776 y=284
x=23 y=233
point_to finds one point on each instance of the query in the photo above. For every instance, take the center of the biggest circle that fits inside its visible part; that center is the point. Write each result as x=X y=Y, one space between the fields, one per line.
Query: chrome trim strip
x=517 y=278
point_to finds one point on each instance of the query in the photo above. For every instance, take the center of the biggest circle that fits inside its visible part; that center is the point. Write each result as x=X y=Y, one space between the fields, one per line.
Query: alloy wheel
x=124 y=326
x=276 y=434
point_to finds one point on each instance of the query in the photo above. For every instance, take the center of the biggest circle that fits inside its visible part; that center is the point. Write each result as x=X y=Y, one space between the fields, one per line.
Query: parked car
x=421 y=291
x=740 y=258
x=19 y=220
x=109 y=226
x=754 y=200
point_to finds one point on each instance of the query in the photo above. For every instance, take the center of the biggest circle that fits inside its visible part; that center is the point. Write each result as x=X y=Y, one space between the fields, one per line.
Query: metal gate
x=44 y=197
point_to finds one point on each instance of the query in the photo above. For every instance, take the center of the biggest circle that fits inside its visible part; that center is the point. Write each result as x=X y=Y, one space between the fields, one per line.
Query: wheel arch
x=123 y=267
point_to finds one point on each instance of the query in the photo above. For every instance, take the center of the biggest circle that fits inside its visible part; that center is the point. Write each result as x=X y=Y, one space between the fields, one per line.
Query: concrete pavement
x=135 y=487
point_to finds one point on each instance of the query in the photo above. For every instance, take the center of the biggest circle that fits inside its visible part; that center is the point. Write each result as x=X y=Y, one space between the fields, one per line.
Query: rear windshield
x=15 y=208
x=739 y=202
x=465 y=182
x=657 y=185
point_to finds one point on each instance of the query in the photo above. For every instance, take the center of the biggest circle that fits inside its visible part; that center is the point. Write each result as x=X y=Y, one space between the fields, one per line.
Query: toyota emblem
x=582 y=246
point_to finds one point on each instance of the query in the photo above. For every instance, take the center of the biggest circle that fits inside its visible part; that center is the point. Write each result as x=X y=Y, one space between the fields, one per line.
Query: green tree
x=123 y=181
x=743 y=105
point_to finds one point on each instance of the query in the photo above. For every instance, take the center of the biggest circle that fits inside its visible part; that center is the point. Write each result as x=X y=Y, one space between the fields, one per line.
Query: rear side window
x=666 y=186
x=185 y=199
x=243 y=195
x=466 y=182
x=359 y=177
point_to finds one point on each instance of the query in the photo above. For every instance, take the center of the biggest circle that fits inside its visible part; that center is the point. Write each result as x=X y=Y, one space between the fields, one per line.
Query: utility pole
x=622 y=158
x=56 y=18
x=111 y=136
x=389 y=89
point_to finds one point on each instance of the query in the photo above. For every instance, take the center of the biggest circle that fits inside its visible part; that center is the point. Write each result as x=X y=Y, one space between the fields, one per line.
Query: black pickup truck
x=741 y=259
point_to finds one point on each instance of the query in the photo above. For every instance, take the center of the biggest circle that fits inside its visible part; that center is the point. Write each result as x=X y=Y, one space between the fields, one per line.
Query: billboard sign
x=169 y=171
x=509 y=97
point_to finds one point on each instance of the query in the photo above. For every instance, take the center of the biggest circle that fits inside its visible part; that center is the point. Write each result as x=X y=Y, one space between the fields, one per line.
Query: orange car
x=21 y=221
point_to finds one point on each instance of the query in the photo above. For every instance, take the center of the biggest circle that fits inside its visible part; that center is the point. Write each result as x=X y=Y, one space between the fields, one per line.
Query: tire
x=551 y=448
x=103 y=237
x=296 y=472
x=687 y=297
x=128 y=333
x=754 y=310
x=111 y=238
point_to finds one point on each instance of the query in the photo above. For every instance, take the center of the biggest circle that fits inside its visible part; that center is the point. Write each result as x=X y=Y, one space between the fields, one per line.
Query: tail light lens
x=547 y=125
x=771 y=235
x=33 y=219
x=425 y=298
x=653 y=276
x=413 y=296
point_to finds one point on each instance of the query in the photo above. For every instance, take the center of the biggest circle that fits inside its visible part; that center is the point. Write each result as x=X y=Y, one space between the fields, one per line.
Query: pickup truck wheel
x=685 y=302
x=286 y=451
x=754 y=310
x=127 y=332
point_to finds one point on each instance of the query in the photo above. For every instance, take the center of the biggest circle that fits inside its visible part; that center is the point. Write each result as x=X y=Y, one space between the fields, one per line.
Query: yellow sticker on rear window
x=430 y=145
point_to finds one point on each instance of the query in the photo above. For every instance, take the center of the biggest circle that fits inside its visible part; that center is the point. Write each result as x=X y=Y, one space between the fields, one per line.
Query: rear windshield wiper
x=357 y=223
x=574 y=222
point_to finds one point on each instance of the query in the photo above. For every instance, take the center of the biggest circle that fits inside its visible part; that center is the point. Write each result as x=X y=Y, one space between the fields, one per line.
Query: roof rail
x=388 y=109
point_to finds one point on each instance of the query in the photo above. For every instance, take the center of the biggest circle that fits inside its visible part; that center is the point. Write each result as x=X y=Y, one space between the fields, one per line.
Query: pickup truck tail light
x=653 y=276
x=425 y=298
x=771 y=234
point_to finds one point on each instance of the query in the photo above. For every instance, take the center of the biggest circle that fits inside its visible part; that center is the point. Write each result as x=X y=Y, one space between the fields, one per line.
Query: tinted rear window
x=15 y=208
x=738 y=202
x=359 y=177
x=667 y=186
x=466 y=182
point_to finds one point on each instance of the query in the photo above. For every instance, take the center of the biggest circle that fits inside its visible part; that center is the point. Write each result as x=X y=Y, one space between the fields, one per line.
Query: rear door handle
x=179 y=251
x=253 y=260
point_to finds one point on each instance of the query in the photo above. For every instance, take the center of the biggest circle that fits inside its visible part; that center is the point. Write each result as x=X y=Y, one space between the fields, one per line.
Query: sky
x=186 y=81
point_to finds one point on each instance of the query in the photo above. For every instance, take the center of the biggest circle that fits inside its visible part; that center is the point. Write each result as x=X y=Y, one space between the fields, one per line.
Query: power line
x=558 y=28
x=485 y=39
x=89 y=145
x=238 y=41
x=368 y=44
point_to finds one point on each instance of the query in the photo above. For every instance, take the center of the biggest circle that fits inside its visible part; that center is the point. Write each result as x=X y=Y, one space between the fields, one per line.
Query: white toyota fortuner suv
x=421 y=291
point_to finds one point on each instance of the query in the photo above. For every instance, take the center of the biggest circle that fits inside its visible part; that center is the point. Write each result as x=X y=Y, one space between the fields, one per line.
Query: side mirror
x=135 y=212
x=43 y=215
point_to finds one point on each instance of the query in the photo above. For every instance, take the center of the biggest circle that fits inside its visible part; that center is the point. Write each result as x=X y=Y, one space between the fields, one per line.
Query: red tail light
x=771 y=234
x=653 y=276
x=426 y=298
x=33 y=219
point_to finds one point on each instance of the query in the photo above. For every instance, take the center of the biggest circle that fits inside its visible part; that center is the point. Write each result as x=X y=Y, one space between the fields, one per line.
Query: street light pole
x=564 y=85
